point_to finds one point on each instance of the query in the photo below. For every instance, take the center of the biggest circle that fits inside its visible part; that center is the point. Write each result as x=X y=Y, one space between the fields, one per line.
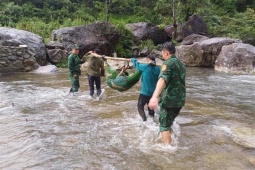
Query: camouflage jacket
x=74 y=64
x=174 y=93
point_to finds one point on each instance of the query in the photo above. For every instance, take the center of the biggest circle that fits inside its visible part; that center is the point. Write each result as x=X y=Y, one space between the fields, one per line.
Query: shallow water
x=42 y=128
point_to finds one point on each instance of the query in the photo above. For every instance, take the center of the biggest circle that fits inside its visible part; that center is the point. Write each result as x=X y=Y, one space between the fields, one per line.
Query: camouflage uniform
x=74 y=68
x=173 y=96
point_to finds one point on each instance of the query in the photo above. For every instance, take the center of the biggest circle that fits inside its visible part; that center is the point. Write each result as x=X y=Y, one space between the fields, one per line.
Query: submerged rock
x=46 y=69
x=236 y=58
x=244 y=136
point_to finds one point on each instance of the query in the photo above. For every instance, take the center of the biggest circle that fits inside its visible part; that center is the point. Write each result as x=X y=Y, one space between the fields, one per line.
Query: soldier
x=74 y=68
x=170 y=92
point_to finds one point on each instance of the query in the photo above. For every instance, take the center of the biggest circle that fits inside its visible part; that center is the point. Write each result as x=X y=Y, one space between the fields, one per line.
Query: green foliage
x=148 y=43
x=125 y=42
x=232 y=18
x=63 y=64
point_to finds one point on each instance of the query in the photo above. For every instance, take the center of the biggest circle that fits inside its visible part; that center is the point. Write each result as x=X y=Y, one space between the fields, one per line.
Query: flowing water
x=42 y=128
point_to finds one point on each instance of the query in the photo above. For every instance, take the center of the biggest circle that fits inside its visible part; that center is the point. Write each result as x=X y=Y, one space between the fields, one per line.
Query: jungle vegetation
x=231 y=18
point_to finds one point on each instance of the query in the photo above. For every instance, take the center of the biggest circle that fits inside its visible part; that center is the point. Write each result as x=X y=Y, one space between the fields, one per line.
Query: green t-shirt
x=174 y=93
x=74 y=64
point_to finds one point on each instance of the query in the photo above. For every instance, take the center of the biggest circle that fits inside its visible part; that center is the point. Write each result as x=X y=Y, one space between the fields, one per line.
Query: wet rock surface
x=14 y=37
x=236 y=58
x=203 y=53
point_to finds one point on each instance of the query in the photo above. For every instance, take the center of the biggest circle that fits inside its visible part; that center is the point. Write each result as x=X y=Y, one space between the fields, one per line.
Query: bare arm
x=153 y=104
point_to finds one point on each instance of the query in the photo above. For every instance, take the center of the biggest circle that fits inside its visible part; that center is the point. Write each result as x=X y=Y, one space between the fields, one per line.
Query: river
x=42 y=128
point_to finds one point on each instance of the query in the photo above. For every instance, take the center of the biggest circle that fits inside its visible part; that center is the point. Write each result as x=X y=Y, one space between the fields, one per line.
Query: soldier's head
x=168 y=50
x=75 y=49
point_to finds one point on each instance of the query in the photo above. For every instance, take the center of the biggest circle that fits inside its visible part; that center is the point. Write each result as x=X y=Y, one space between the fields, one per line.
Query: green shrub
x=125 y=42
x=148 y=43
x=63 y=64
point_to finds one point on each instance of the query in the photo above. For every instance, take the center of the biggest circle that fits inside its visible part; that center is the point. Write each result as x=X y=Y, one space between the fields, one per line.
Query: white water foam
x=46 y=69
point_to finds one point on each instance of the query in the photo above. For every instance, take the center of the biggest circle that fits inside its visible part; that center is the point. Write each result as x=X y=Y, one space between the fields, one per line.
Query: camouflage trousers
x=166 y=117
x=75 y=83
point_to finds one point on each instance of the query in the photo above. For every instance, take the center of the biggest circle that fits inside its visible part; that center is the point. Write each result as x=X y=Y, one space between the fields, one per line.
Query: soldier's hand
x=75 y=75
x=103 y=58
x=153 y=104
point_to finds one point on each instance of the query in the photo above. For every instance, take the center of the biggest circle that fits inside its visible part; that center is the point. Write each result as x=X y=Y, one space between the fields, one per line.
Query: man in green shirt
x=170 y=92
x=74 y=68
x=95 y=71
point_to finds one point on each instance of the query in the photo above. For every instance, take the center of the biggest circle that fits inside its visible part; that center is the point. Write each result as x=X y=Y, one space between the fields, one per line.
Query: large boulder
x=147 y=31
x=236 y=58
x=203 y=53
x=250 y=41
x=101 y=35
x=191 y=39
x=14 y=37
x=145 y=51
x=57 y=55
x=195 y=25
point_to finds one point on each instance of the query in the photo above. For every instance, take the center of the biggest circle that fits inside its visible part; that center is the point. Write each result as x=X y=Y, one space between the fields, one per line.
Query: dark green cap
x=76 y=47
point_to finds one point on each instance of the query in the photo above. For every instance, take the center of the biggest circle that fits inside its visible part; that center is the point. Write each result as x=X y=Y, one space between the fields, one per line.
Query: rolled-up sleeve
x=165 y=73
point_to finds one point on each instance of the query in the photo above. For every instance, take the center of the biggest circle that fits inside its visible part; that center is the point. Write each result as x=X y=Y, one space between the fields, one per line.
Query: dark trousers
x=142 y=101
x=94 y=80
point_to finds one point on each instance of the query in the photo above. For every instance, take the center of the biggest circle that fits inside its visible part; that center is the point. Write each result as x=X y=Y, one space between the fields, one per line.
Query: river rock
x=54 y=45
x=250 y=41
x=236 y=58
x=169 y=29
x=147 y=31
x=203 y=53
x=14 y=59
x=145 y=51
x=157 y=54
x=244 y=136
x=15 y=37
x=29 y=62
x=191 y=39
x=195 y=25
x=252 y=160
x=57 y=55
x=101 y=35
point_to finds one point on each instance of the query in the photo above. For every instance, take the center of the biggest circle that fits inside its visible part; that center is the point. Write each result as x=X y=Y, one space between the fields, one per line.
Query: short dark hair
x=151 y=56
x=169 y=46
x=97 y=50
